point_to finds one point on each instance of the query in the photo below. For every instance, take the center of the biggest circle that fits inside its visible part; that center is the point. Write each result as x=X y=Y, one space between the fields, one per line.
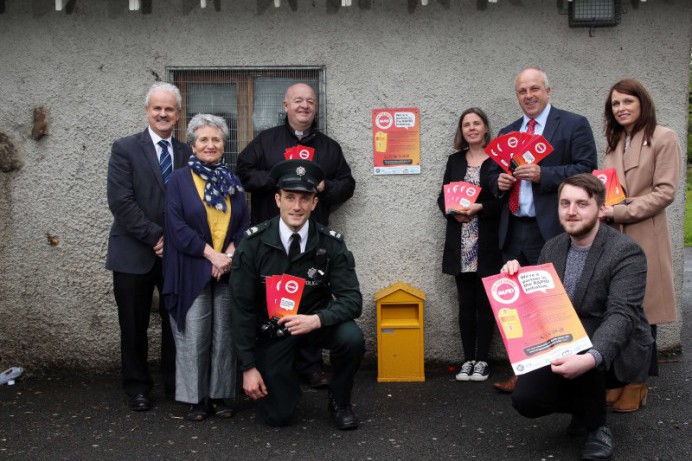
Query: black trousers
x=133 y=295
x=309 y=360
x=476 y=320
x=542 y=392
x=524 y=242
x=275 y=362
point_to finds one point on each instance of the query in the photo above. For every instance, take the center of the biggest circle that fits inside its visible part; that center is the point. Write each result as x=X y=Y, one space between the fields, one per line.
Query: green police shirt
x=331 y=289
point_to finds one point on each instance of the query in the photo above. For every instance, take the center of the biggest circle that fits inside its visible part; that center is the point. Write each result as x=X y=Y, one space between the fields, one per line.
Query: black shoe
x=318 y=380
x=198 y=412
x=576 y=427
x=598 y=445
x=343 y=415
x=220 y=409
x=140 y=402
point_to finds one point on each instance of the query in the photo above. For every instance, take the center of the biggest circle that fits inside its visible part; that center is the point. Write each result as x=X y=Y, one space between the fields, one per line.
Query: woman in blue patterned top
x=471 y=245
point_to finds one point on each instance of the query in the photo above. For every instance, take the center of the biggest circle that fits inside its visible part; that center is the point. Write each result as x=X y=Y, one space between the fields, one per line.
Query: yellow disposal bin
x=400 y=347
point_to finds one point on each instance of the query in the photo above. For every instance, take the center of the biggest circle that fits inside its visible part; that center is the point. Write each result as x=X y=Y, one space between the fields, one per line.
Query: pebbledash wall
x=91 y=68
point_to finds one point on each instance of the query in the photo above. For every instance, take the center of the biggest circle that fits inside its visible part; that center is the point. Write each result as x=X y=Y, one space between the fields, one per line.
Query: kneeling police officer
x=294 y=244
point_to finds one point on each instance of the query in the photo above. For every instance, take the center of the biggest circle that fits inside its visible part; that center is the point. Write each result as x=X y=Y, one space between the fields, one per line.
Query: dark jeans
x=476 y=320
x=133 y=295
x=653 y=366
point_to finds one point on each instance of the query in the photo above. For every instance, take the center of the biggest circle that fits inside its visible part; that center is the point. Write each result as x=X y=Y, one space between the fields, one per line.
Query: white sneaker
x=481 y=371
x=466 y=370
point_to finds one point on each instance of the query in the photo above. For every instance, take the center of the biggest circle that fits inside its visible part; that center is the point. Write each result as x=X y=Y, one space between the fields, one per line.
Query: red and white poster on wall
x=396 y=141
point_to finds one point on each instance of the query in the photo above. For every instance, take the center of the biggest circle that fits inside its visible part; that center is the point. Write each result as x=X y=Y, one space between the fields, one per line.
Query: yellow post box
x=400 y=348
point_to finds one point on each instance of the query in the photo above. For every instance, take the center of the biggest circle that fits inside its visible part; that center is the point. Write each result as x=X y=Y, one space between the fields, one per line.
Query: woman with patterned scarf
x=206 y=215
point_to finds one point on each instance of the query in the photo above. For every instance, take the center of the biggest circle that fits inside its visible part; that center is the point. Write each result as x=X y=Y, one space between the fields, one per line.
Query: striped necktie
x=165 y=162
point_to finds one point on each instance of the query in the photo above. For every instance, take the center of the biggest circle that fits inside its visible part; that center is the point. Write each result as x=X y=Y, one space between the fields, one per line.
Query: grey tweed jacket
x=608 y=299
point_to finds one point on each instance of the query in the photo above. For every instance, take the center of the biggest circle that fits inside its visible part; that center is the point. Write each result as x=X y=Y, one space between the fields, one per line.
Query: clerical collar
x=301 y=134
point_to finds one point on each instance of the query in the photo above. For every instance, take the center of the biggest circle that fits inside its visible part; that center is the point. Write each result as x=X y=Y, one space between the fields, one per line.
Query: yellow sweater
x=217 y=219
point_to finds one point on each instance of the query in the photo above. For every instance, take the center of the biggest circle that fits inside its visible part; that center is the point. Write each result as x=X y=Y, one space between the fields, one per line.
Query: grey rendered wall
x=90 y=69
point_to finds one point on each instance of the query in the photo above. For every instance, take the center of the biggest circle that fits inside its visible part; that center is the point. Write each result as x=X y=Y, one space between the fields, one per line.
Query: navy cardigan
x=186 y=232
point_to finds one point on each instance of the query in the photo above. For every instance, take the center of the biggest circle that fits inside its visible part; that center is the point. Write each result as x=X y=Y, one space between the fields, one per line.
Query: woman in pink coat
x=647 y=159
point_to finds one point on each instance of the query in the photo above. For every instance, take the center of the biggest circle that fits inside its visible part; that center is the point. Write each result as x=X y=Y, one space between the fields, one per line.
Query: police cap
x=297 y=175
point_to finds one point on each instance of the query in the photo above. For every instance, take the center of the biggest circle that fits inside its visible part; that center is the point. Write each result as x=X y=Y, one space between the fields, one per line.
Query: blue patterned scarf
x=219 y=182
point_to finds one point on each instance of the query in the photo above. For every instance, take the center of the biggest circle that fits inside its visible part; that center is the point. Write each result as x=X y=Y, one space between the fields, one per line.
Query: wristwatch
x=229 y=256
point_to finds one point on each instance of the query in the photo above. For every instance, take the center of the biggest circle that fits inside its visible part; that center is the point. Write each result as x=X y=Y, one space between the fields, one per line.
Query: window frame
x=243 y=78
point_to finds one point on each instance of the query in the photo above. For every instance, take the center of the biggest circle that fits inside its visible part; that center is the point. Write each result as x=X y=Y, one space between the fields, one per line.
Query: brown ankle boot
x=506 y=386
x=612 y=395
x=633 y=396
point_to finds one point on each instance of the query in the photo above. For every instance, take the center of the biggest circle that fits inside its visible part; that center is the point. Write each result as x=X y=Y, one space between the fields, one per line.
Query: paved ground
x=85 y=417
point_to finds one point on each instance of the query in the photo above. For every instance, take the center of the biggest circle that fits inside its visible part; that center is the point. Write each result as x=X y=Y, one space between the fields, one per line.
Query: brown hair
x=588 y=182
x=646 y=121
x=459 y=141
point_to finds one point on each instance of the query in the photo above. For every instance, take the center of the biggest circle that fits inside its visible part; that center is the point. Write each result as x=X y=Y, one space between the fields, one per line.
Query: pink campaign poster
x=535 y=317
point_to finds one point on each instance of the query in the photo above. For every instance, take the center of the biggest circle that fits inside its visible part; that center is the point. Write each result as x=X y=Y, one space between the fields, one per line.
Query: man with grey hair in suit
x=138 y=170
x=604 y=274
x=530 y=218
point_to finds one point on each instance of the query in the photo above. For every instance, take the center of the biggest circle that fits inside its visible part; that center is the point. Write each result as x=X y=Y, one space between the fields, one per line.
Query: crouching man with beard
x=604 y=274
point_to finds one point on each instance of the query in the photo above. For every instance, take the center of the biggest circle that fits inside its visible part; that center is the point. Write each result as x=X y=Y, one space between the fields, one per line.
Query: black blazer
x=489 y=257
x=574 y=151
x=267 y=149
x=136 y=197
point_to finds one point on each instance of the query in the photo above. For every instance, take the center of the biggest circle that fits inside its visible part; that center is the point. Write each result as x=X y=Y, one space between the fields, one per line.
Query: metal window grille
x=248 y=98
x=594 y=13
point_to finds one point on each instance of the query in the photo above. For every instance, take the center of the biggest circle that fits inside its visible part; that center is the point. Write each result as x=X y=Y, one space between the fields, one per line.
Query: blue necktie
x=165 y=162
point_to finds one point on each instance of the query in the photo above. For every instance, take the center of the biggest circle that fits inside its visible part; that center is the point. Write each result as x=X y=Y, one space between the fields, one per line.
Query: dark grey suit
x=608 y=300
x=136 y=196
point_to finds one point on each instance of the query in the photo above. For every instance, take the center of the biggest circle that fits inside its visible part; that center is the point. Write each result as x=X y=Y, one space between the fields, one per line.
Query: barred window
x=248 y=98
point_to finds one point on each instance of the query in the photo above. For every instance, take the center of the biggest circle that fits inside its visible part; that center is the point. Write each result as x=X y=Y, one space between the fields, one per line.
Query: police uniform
x=331 y=292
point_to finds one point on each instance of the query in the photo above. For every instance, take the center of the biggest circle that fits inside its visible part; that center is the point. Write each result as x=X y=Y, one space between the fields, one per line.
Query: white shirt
x=156 y=138
x=285 y=234
x=526 y=205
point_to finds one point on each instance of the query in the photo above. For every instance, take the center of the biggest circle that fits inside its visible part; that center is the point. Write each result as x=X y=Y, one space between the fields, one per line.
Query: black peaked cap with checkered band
x=297 y=175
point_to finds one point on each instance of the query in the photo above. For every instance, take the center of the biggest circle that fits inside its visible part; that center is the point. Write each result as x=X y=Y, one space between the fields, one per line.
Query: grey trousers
x=205 y=358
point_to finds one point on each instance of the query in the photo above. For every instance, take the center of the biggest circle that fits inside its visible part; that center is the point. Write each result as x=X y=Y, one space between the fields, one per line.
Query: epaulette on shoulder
x=331 y=232
x=256 y=230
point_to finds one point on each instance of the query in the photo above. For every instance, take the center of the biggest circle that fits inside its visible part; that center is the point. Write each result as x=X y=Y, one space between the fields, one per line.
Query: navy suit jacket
x=574 y=151
x=136 y=197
